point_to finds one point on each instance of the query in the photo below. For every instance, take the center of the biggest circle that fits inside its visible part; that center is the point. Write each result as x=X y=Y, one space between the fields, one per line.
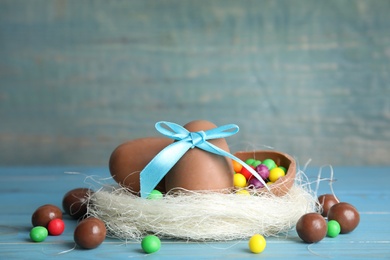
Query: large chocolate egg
x=199 y=169
x=130 y=158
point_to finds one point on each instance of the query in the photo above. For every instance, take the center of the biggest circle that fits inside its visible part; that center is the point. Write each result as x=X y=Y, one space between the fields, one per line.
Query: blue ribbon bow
x=158 y=167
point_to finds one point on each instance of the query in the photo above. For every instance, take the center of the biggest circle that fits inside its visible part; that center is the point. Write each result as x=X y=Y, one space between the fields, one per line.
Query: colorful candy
x=311 y=227
x=44 y=214
x=244 y=177
x=150 y=244
x=333 y=228
x=269 y=163
x=263 y=171
x=90 y=233
x=275 y=174
x=56 y=227
x=38 y=234
x=155 y=194
x=346 y=215
x=239 y=180
x=257 y=244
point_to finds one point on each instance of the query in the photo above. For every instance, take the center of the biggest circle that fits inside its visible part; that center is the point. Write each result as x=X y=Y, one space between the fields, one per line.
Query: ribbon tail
x=157 y=168
x=209 y=147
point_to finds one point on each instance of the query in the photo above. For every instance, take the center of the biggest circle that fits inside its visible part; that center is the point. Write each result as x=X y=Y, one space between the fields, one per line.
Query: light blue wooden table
x=23 y=189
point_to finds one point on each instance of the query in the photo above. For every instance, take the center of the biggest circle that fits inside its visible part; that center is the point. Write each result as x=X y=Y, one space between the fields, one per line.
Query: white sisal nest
x=206 y=216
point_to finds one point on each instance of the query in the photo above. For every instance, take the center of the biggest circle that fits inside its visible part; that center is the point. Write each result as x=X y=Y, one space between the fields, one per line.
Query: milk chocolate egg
x=130 y=158
x=75 y=202
x=44 y=214
x=326 y=202
x=346 y=215
x=311 y=227
x=199 y=169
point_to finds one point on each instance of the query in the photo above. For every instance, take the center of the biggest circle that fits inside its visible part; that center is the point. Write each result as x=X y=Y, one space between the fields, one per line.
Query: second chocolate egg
x=199 y=169
x=130 y=158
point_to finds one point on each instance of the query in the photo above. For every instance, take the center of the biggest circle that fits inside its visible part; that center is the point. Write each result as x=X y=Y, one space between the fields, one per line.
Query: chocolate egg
x=326 y=202
x=283 y=184
x=90 y=233
x=44 y=214
x=311 y=227
x=75 y=201
x=346 y=215
x=130 y=158
x=199 y=169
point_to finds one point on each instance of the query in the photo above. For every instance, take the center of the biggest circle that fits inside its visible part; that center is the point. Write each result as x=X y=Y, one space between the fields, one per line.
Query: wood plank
x=23 y=189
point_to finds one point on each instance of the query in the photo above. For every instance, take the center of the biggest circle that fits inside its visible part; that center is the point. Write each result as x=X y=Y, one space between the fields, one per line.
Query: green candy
x=155 y=194
x=269 y=163
x=250 y=161
x=38 y=234
x=333 y=228
x=150 y=244
x=256 y=163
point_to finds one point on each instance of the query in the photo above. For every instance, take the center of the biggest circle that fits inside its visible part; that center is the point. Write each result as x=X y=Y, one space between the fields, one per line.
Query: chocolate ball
x=311 y=227
x=44 y=214
x=327 y=201
x=75 y=202
x=346 y=215
x=90 y=233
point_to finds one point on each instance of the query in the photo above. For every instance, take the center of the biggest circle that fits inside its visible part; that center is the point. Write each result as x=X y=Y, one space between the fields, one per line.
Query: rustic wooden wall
x=310 y=78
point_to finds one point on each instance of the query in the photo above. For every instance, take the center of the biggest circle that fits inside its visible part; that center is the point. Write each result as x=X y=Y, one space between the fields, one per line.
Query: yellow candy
x=242 y=192
x=239 y=180
x=257 y=244
x=275 y=174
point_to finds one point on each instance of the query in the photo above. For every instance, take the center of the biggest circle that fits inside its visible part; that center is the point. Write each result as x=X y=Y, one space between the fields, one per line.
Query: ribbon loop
x=159 y=166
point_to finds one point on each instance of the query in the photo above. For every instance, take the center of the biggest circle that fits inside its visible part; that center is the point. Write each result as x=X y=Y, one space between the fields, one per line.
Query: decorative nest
x=206 y=215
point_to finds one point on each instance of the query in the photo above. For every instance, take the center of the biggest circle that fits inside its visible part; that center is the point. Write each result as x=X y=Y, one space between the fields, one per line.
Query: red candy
x=56 y=227
x=247 y=173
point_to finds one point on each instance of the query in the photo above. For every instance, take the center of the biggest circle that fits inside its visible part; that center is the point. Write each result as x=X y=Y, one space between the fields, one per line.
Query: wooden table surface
x=23 y=189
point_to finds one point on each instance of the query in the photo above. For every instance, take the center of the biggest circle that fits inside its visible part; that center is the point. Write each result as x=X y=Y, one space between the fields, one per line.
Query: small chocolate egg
x=90 y=233
x=311 y=227
x=326 y=202
x=199 y=169
x=346 y=215
x=44 y=214
x=130 y=158
x=75 y=202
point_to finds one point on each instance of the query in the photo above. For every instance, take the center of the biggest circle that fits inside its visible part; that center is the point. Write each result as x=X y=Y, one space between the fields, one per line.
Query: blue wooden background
x=311 y=78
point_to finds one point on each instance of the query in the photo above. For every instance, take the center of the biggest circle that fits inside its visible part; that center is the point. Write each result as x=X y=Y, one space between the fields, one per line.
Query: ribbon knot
x=197 y=138
x=159 y=166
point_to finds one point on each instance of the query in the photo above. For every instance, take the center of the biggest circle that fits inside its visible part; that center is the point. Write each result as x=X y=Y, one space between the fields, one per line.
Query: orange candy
x=236 y=166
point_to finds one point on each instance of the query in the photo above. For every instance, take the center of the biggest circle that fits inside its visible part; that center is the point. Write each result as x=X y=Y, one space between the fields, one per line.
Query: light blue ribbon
x=158 y=167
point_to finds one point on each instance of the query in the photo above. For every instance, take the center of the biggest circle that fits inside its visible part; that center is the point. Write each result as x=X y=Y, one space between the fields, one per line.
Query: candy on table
x=74 y=202
x=38 y=234
x=44 y=214
x=346 y=215
x=257 y=244
x=56 y=227
x=333 y=228
x=311 y=227
x=326 y=202
x=150 y=244
x=90 y=233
